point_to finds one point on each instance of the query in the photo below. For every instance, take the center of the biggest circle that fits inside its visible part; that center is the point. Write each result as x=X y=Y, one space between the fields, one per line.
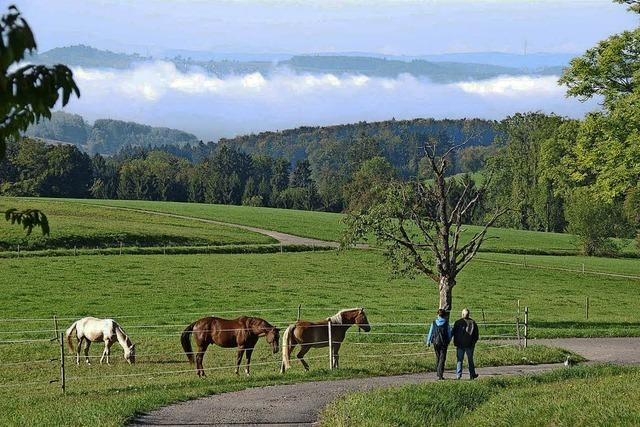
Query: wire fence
x=386 y=340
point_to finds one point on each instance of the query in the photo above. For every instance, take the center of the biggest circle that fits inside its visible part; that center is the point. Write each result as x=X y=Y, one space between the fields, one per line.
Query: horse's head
x=130 y=354
x=362 y=321
x=273 y=338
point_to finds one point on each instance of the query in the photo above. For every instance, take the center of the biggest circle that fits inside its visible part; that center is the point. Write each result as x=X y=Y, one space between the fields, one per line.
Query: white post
x=330 y=346
x=526 y=326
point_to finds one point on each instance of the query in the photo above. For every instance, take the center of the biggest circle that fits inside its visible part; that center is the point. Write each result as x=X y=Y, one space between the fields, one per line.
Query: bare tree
x=421 y=224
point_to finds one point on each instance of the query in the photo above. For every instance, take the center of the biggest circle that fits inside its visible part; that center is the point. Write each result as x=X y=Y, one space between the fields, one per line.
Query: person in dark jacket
x=440 y=335
x=465 y=337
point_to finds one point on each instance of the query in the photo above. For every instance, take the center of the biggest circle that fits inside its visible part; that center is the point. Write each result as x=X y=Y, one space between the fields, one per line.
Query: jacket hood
x=440 y=321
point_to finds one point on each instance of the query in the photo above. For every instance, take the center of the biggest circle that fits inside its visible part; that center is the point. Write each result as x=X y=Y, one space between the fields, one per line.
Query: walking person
x=465 y=337
x=440 y=336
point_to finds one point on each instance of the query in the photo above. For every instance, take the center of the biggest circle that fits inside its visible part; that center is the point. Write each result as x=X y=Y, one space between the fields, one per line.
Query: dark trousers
x=441 y=357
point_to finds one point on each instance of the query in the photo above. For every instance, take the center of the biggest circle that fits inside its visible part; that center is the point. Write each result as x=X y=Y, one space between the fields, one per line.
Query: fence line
x=257 y=362
x=292 y=309
x=569 y=270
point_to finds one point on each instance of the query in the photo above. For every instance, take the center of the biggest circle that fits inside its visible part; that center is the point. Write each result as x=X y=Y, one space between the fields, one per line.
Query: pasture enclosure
x=80 y=226
x=328 y=226
x=154 y=297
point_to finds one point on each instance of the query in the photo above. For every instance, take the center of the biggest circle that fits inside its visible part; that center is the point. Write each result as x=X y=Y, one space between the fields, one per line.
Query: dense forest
x=106 y=136
x=224 y=173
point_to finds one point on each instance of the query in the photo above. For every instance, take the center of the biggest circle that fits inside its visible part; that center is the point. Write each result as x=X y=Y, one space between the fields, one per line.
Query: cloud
x=514 y=86
x=213 y=107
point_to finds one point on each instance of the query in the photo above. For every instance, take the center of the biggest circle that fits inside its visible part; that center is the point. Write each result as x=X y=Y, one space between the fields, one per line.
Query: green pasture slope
x=86 y=226
x=329 y=226
x=582 y=396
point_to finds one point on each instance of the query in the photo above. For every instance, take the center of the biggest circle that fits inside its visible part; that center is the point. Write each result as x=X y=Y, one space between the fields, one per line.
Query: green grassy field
x=584 y=396
x=86 y=226
x=328 y=226
x=155 y=296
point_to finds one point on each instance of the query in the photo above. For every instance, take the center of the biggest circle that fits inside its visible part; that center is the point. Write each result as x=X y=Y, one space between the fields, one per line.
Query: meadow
x=85 y=226
x=582 y=396
x=155 y=296
x=329 y=226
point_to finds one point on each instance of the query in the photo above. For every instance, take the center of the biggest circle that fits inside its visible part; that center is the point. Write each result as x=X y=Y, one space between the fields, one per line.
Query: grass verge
x=581 y=396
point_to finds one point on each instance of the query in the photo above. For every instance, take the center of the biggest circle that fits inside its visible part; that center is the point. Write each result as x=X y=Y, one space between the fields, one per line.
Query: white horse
x=90 y=329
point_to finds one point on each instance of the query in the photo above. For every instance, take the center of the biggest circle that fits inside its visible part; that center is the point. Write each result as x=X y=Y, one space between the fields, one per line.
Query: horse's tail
x=286 y=345
x=185 y=339
x=68 y=334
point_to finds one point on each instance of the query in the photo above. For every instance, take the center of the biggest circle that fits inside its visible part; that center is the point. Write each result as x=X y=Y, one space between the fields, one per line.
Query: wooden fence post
x=330 y=346
x=586 y=308
x=299 y=309
x=62 y=373
x=518 y=331
x=483 y=318
x=526 y=326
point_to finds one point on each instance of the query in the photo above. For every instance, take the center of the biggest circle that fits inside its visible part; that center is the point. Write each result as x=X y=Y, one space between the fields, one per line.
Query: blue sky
x=296 y=26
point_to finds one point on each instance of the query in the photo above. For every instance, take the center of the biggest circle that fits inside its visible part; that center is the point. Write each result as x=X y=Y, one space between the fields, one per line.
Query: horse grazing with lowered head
x=242 y=333
x=90 y=329
x=316 y=334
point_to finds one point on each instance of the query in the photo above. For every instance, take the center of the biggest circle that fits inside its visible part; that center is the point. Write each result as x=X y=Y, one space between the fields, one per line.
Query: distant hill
x=86 y=56
x=106 y=136
x=439 y=72
x=400 y=141
x=436 y=68
x=511 y=60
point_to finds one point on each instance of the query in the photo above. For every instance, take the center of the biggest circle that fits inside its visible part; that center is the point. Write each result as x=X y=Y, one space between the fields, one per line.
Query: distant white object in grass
x=569 y=361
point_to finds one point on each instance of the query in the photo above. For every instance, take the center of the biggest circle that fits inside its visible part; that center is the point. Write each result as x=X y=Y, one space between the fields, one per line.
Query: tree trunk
x=446 y=286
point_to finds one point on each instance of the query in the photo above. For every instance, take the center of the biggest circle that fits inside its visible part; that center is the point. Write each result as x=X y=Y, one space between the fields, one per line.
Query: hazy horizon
x=212 y=107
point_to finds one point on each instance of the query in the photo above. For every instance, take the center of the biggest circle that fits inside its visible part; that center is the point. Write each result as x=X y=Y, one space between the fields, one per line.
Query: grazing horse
x=316 y=334
x=242 y=333
x=90 y=329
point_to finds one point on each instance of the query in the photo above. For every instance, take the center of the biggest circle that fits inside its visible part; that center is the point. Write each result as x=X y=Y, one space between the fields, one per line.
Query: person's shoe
x=474 y=376
x=440 y=378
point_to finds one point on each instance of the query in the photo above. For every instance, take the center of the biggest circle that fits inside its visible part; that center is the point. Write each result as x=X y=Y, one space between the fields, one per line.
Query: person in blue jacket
x=440 y=335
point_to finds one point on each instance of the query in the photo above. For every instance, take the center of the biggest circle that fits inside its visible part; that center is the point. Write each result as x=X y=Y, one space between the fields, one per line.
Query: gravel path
x=300 y=404
x=283 y=238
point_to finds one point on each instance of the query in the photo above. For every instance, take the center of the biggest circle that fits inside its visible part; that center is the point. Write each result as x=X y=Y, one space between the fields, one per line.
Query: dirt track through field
x=300 y=404
x=282 y=238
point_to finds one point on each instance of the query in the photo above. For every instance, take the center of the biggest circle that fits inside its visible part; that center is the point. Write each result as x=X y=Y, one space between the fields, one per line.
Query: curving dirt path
x=282 y=238
x=300 y=404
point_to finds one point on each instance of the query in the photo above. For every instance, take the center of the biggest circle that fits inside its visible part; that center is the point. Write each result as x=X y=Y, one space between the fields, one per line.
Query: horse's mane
x=336 y=319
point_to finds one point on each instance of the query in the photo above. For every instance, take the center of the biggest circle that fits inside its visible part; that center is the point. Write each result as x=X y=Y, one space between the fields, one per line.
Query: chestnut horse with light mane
x=242 y=333
x=316 y=334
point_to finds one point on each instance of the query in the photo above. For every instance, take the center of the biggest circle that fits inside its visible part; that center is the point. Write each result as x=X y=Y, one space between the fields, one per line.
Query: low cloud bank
x=210 y=107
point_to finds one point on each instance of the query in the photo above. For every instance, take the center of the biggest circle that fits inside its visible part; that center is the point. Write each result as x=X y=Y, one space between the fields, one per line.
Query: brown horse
x=242 y=333
x=316 y=334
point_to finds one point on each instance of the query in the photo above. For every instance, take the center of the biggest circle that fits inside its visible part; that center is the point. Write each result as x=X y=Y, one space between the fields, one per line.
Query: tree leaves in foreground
x=27 y=94
x=29 y=219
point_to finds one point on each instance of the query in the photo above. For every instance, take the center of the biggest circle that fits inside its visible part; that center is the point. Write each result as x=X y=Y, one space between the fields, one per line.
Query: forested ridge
x=105 y=136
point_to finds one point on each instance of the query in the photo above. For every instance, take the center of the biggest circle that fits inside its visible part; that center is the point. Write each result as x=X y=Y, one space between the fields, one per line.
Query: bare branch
x=471 y=249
